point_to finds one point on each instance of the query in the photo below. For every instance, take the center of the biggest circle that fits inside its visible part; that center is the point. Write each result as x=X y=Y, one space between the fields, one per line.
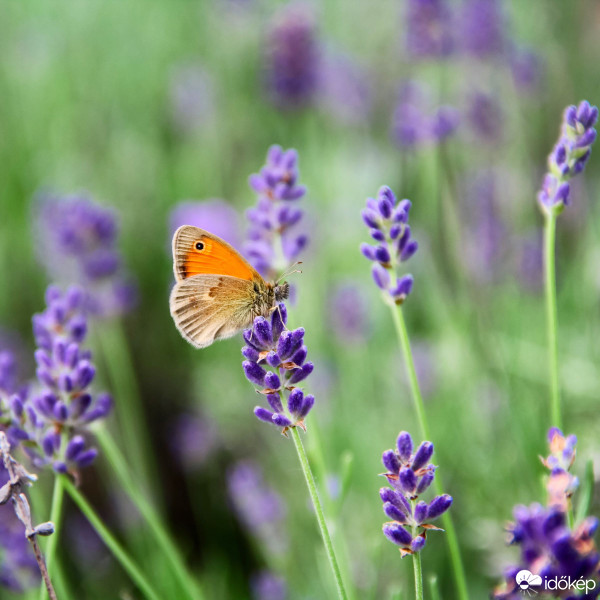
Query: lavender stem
x=312 y=489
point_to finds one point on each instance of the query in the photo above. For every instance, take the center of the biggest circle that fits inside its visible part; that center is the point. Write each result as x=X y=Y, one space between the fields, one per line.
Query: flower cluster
x=77 y=244
x=62 y=408
x=259 y=507
x=569 y=156
x=292 y=58
x=273 y=241
x=428 y=29
x=561 y=483
x=276 y=363
x=12 y=399
x=387 y=220
x=410 y=475
x=549 y=547
x=482 y=28
x=416 y=122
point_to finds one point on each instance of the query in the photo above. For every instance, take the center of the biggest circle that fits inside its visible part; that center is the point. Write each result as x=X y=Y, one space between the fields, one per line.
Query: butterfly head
x=282 y=291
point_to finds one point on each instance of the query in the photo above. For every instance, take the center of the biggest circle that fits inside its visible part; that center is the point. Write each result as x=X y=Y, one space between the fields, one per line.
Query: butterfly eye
x=199 y=245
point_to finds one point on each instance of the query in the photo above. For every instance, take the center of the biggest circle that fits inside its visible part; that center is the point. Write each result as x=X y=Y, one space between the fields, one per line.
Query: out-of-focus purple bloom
x=273 y=240
x=194 y=440
x=569 y=156
x=77 y=244
x=485 y=247
x=260 y=508
x=349 y=314
x=526 y=69
x=549 y=547
x=410 y=474
x=485 y=117
x=483 y=28
x=344 y=88
x=216 y=216
x=292 y=57
x=268 y=586
x=429 y=27
x=61 y=409
x=276 y=363
x=191 y=96
x=416 y=122
x=387 y=220
x=13 y=400
x=530 y=262
x=18 y=568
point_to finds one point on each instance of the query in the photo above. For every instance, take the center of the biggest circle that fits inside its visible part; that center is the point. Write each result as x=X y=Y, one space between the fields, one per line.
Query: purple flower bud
x=61 y=412
x=397 y=534
x=409 y=250
x=84 y=374
x=405 y=446
x=263 y=414
x=300 y=355
x=382 y=254
x=86 y=458
x=272 y=381
x=407 y=480
x=273 y=359
x=425 y=481
x=420 y=512
x=417 y=543
x=302 y=373
x=377 y=235
x=262 y=330
x=254 y=373
x=381 y=276
x=74 y=448
x=390 y=461
x=278 y=320
x=370 y=218
x=250 y=353
x=368 y=251
x=438 y=506
x=422 y=455
x=60 y=467
x=402 y=288
x=394 y=513
x=281 y=420
x=307 y=404
x=295 y=400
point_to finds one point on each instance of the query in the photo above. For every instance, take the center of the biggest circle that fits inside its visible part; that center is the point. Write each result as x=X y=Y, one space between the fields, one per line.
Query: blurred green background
x=86 y=104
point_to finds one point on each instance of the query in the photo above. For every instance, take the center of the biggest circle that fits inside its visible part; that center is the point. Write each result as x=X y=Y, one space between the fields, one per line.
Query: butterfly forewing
x=198 y=252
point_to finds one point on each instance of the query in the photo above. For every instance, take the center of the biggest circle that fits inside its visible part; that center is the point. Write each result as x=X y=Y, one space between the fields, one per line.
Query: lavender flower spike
x=387 y=220
x=273 y=240
x=569 y=156
x=550 y=548
x=59 y=413
x=410 y=474
x=276 y=363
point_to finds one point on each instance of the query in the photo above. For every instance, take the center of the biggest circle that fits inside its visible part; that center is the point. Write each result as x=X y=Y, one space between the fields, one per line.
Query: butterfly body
x=217 y=292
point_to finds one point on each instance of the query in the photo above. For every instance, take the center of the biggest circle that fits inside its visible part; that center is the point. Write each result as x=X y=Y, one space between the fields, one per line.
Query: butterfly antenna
x=290 y=271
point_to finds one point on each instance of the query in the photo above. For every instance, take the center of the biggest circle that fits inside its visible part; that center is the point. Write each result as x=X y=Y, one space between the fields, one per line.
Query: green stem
x=410 y=369
x=161 y=535
x=121 y=373
x=451 y=538
x=551 y=315
x=58 y=494
x=111 y=543
x=312 y=489
x=416 y=558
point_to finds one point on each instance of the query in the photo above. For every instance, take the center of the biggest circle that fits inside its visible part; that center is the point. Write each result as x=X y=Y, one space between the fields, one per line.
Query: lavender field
x=299 y=300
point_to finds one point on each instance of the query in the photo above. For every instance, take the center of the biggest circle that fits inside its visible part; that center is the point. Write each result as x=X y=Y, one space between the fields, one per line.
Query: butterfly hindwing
x=207 y=308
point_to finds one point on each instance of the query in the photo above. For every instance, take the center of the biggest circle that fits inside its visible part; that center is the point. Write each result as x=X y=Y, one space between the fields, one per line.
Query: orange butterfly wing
x=198 y=252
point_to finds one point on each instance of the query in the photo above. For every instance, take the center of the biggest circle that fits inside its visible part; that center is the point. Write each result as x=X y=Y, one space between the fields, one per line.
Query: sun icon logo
x=526 y=579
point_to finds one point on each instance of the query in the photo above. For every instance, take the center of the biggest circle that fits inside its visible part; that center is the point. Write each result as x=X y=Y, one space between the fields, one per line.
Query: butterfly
x=217 y=292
